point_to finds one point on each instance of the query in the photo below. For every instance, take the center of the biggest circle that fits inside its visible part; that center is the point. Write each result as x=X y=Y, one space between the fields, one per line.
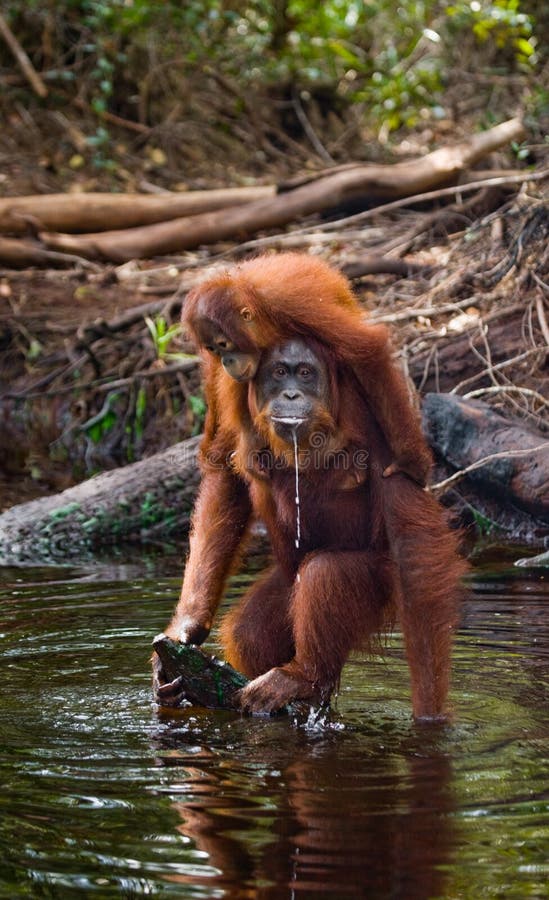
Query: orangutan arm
x=221 y=516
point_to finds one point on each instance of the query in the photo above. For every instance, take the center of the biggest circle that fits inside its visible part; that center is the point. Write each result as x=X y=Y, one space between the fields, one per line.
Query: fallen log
x=99 y=211
x=373 y=183
x=144 y=501
x=205 y=680
x=19 y=254
x=153 y=499
x=464 y=432
x=465 y=177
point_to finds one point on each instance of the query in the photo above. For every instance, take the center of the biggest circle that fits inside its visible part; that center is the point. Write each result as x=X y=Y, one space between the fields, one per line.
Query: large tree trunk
x=98 y=212
x=372 y=182
x=153 y=499
x=147 y=500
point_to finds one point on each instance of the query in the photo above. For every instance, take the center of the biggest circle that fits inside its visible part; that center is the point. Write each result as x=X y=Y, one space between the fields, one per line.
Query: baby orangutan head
x=239 y=364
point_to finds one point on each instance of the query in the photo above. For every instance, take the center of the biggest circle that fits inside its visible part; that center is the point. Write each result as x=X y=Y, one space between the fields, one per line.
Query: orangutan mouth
x=287 y=420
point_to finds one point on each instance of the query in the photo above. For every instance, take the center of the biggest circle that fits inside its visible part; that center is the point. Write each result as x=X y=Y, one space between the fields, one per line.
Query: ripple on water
x=102 y=796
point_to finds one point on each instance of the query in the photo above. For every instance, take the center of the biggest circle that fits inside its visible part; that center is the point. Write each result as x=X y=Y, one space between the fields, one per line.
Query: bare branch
x=507 y=389
x=23 y=61
x=308 y=128
x=502 y=365
x=541 y=310
x=442 y=486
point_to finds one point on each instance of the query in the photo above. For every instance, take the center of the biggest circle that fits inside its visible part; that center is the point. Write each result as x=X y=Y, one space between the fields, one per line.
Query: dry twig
x=23 y=60
x=507 y=389
x=506 y=363
x=442 y=486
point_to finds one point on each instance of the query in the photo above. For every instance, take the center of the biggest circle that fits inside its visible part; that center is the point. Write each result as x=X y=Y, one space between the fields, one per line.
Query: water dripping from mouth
x=297 y=507
x=298 y=516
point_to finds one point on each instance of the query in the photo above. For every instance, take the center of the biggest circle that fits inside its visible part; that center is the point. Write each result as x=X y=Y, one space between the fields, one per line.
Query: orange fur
x=272 y=298
x=372 y=548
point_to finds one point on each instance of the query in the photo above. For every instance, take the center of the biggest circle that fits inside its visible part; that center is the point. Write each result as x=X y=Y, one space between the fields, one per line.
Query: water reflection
x=103 y=797
x=332 y=818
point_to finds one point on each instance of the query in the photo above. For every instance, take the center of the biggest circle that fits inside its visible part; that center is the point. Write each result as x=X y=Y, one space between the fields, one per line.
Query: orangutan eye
x=279 y=372
x=305 y=372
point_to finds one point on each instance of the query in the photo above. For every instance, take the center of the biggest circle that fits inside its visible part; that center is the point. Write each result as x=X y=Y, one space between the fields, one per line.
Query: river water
x=104 y=797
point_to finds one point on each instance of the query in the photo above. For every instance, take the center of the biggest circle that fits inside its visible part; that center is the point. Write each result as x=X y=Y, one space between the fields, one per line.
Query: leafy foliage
x=501 y=23
x=390 y=59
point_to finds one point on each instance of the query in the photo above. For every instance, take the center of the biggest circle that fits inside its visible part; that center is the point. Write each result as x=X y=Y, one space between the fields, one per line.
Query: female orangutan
x=303 y=396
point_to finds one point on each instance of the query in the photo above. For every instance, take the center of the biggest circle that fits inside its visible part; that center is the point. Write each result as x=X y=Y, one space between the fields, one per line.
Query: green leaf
x=524 y=46
x=94 y=432
x=141 y=403
x=344 y=53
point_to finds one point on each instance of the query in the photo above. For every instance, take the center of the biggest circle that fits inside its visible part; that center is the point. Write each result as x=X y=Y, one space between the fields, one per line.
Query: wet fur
x=373 y=548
